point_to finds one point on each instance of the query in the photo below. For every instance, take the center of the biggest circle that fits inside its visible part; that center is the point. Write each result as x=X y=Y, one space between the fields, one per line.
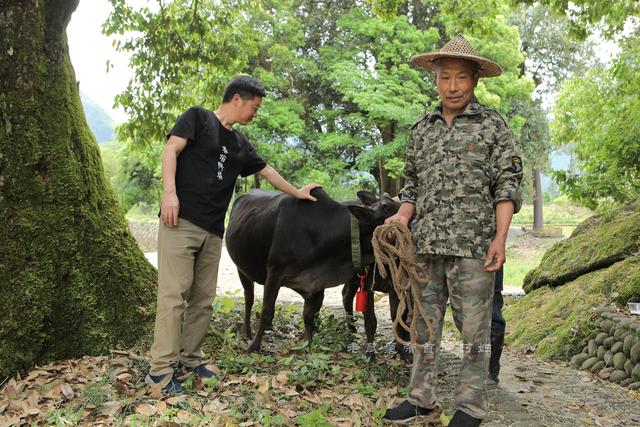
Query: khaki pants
x=470 y=290
x=188 y=259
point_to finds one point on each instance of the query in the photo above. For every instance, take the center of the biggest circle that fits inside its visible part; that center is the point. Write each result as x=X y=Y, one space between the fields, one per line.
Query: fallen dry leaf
x=175 y=400
x=66 y=390
x=146 y=410
x=111 y=409
x=311 y=398
x=184 y=416
x=263 y=385
x=155 y=391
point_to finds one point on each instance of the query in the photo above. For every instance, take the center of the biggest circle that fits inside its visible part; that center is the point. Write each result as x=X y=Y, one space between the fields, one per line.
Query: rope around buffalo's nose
x=397 y=255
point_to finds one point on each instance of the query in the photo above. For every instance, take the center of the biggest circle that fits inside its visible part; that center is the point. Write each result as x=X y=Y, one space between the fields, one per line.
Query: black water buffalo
x=277 y=240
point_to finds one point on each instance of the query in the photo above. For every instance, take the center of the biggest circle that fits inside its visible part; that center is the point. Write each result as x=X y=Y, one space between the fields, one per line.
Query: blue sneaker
x=202 y=371
x=172 y=387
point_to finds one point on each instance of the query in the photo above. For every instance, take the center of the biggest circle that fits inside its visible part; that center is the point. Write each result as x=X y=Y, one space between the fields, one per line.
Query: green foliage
x=556 y=212
x=551 y=55
x=188 y=51
x=585 y=15
x=315 y=418
x=597 y=115
x=342 y=94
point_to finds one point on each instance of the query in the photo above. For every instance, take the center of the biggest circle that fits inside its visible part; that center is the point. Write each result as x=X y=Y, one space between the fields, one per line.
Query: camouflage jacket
x=455 y=176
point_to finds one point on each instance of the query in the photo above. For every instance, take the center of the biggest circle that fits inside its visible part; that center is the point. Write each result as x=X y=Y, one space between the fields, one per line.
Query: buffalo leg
x=348 y=293
x=311 y=308
x=370 y=324
x=271 y=289
x=247 y=286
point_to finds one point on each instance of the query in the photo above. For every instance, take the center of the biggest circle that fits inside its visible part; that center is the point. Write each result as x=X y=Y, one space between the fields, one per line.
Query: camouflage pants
x=470 y=290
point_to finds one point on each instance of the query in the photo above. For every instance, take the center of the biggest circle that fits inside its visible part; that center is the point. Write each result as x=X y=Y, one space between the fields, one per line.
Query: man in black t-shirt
x=200 y=164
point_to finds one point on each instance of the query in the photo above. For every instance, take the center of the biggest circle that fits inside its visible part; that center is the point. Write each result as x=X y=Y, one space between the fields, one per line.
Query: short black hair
x=245 y=86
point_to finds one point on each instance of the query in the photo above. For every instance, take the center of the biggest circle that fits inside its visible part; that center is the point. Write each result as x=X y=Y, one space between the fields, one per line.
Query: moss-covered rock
x=608 y=343
x=588 y=363
x=635 y=372
x=605 y=373
x=634 y=353
x=625 y=382
x=617 y=376
x=606 y=326
x=601 y=337
x=557 y=321
x=72 y=278
x=619 y=360
x=597 y=243
x=578 y=360
x=592 y=347
x=597 y=367
x=608 y=358
x=617 y=347
x=628 y=366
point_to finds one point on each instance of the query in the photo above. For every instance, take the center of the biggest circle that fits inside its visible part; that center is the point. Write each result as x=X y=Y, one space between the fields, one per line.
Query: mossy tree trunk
x=72 y=279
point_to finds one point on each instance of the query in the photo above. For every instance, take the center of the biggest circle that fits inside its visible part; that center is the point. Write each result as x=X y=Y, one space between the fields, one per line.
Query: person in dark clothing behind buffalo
x=497 y=328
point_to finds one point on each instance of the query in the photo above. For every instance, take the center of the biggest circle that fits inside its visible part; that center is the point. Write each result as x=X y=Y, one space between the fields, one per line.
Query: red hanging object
x=361 y=295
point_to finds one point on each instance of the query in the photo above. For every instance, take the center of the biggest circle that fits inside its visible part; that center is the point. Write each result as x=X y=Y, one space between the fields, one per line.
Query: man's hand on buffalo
x=305 y=192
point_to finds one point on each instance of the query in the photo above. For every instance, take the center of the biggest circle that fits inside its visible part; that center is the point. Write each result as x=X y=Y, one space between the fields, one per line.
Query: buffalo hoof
x=372 y=357
x=253 y=348
x=246 y=334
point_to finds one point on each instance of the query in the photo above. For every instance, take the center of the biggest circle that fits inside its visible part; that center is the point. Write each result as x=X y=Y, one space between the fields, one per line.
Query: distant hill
x=100 y=122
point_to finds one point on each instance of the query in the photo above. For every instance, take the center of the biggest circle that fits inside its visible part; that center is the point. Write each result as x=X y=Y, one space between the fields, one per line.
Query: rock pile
x=613 y=350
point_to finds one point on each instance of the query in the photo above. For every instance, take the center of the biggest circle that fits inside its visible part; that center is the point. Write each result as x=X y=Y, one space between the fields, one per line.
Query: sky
x=90 y=50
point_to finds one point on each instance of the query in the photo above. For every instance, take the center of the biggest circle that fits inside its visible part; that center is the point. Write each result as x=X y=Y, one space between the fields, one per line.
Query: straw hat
x=458 y=47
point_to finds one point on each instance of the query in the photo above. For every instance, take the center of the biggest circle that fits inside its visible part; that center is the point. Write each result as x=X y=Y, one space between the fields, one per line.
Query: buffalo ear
x=364 y=214
x=367 y=197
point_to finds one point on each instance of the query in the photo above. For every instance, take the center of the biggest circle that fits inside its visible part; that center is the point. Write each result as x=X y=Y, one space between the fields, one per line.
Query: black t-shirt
x=208 y=167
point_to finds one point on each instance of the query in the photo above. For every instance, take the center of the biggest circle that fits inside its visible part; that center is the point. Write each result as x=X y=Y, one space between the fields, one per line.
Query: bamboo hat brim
x=460 y=48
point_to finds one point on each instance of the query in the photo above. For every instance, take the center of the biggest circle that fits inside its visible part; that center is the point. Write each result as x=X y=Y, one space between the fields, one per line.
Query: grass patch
x=518 y=265
x=558 y=212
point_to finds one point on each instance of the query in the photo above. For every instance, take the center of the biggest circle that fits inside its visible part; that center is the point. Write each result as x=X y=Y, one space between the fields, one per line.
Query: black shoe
x=462 y=419
x=405 y=413
x=203 y=372
x=170 y=384
x=492 y=378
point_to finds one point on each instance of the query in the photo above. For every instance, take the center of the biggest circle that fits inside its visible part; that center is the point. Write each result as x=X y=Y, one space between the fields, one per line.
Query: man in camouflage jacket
x=462 y=175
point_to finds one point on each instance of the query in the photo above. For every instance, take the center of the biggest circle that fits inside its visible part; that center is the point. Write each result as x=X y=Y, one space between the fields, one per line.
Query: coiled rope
x=393 y=250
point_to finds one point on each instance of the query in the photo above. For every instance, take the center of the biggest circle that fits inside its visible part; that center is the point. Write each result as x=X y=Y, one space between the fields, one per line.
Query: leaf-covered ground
x=332 y=384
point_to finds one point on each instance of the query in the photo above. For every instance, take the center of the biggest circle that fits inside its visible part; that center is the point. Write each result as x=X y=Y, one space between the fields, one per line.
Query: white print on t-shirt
x=222 y=159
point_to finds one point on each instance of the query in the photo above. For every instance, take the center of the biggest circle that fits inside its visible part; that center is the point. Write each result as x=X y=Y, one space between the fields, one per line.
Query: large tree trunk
x=386 y=184
x=538 y=218
x=72 y=279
